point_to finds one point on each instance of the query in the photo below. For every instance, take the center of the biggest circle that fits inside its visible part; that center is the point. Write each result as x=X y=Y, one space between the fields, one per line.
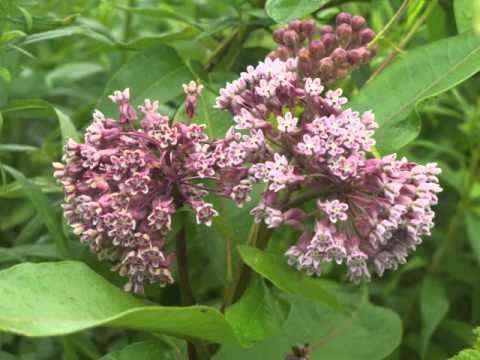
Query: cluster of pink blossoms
x=369 y=212
x=126 y=181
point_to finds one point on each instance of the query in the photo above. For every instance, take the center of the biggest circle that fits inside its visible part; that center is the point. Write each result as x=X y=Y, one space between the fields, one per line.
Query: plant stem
x=127 y=26
x=186 y=293
x=392 y=22
x=405 y=41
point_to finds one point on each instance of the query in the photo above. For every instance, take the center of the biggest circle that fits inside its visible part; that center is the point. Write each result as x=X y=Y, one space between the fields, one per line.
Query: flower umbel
x=124 y=184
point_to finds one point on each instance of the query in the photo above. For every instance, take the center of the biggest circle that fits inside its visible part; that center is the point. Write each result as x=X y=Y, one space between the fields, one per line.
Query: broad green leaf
x=156 y=73
x=145 y=350
x=472 y=221
x=258 y=314
x=363 y=332
x=467 y=15
x=283 y=11
x=275 y=268
x=52 y=299
x=42 y=205
x=434 y=306
x=67 y=128
x=71 y=72
x=66 y=32
x=421 y=73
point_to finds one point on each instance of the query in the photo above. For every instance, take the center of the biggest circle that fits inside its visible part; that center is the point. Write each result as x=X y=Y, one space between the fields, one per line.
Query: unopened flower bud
x=366 y=35
x=339 y=57
x=295 y=25
x=278 y=36
x=308 y=27
x=329 y=41
x=344 y=34
x=192 y=91
x=327 y=68
x=326 y=29
x=358 y=23
x=354 y=56
x=283 y=53
x=344 y=18
x=317 y=50
x=290 y=38
x=304 y=63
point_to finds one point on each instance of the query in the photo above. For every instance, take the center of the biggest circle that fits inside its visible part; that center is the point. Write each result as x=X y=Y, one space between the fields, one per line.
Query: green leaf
x=70 y=72
x=67 y=32
x=283 y=11
x=17 y=148
x=363 y=332
x=145 y=350
x=275 y=268
x=66 y=126
x=5 y=74
x=42 y=205
x=466 y=14
x=27 y=17
x=472 y=221
x=434 y=306
x=421 y=73
x=258 y=314
x=156 y=73
x=52 y=299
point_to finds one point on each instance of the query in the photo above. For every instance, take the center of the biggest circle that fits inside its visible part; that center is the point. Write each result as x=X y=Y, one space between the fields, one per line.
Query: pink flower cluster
x=124 y=184
x=338 y=51
x=369 y=212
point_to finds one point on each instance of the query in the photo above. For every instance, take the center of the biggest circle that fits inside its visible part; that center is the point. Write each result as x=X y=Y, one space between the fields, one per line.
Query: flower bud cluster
x=334 y=55
x=123 y=185
x=369 y=212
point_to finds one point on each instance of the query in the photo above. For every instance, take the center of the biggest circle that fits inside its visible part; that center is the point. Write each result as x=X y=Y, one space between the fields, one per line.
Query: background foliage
x=59 y=60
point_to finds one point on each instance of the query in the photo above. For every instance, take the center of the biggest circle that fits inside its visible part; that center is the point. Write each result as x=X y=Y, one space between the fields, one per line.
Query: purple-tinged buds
x=344 y=18
x=366 y=35
x=278 y=36
x=339 y=57
x=192 y=91
x=317 y=49
x=344 y=34
x=358 y=23
x=329 y=41
x=308 y=27
x=290 y=38
x=295 y=25
x=326 y=29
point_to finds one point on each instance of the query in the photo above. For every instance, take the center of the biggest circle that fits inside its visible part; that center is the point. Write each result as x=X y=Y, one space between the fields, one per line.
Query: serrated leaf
x=52 y=299
x=275 y=268
x=283 y=11
x=156 y=73
x=421 y=73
